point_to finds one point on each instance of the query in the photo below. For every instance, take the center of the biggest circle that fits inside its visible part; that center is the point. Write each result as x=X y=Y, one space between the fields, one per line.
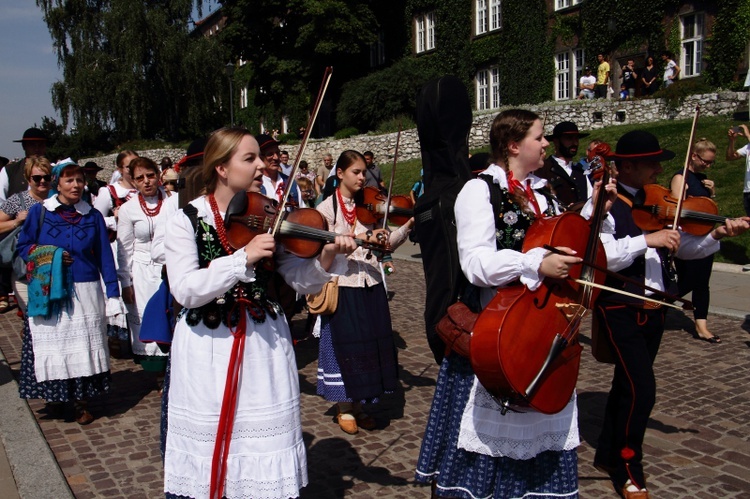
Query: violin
x=303 y=232
x=371 y=208
x=656 y=209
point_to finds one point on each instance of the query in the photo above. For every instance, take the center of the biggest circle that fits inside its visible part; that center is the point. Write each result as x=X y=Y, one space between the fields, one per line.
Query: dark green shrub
x=345 y=133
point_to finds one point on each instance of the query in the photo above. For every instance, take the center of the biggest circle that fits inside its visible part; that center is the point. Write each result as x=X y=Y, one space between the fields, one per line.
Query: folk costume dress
x=266 y=454
x=357 y=359
x=135 y=231
x=470 y=450
x=65 y=355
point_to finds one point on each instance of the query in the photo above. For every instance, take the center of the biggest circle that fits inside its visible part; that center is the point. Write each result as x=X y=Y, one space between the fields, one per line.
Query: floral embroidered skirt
x=357 y=358
x=464 y=474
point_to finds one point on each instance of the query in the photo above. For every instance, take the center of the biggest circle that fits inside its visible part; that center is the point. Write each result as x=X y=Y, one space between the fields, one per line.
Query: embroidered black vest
x=223 y=309
x=511 y=222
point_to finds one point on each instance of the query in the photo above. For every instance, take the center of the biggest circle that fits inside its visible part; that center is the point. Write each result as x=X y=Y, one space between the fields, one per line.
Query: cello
x=524 y=345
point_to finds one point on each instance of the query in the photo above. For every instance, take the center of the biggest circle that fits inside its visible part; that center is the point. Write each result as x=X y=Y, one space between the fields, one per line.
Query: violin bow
x=393 y=176
x=303 y=144
x=678 y=209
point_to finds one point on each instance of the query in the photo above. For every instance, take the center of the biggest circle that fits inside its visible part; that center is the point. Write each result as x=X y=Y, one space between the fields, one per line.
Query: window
x=488 y=88
x=243 y=98
x=562 y=76
x=564 y=4
x=377 y=50
x=425 y=32
x=568 y=71
x=488 y=16
x=693 y=26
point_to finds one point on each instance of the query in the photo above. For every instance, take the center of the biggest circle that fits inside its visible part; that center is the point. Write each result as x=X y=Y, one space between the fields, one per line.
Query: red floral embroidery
x=627 y=453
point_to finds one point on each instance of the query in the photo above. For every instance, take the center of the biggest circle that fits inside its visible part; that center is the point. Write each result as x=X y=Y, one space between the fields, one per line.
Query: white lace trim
x=261 y=476
x=516 y=435
x=72 y=345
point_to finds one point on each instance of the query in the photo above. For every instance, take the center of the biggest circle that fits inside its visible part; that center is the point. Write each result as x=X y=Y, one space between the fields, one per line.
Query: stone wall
x=587 y=114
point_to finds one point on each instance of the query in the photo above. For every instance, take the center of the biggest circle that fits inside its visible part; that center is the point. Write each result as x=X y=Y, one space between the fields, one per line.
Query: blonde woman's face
x=243 y=170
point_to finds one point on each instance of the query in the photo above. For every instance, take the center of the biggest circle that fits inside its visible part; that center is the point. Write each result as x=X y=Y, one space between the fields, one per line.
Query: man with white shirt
x=631 y=328
x=286 y=168
x=274 y=182
x=565 y=179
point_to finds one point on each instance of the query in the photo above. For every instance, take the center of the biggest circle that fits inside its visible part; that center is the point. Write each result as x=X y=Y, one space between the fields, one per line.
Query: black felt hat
x=32 y=134
x=565 y=128
x=265 y=140
x=90 y=165
x=641 y=145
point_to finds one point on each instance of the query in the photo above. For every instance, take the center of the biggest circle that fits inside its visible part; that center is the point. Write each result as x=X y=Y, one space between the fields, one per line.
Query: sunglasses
x=141 y=178
x=39 y=178
x=707 y=163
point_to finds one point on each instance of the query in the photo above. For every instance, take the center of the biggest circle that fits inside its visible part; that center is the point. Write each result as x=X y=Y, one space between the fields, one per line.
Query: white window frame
x=482 y=17
x=424 y=32
x=496 y=15
x=487 y=84
x=562 y=75
x=569 y=66
x=693 y=34
x=488 y=16
x=243 y=97
x=564 y=4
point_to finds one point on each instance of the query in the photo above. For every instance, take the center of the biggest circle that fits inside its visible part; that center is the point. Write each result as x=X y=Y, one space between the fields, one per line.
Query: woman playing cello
x=234 y=419
x=470 y=450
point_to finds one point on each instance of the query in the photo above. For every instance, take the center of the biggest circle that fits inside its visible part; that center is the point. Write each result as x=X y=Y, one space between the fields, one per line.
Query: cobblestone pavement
x=697 y=444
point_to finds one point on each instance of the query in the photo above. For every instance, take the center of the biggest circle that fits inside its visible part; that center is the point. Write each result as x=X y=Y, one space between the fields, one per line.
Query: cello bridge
x=572 y=310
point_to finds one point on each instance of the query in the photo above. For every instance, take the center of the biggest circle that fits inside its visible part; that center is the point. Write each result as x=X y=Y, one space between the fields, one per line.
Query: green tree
x=132 y=67
x=289 y=43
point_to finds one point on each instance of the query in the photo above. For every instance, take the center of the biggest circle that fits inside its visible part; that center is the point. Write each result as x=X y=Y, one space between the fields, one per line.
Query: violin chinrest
x=237 y=206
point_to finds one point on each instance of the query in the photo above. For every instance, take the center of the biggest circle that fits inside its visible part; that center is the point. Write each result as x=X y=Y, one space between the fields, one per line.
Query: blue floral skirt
x=59 y=390
x=357 y=360
x=460 y=473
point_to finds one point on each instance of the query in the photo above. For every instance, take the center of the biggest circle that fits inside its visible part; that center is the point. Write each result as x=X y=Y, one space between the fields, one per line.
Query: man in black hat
x=630 y=329
x=566 y=179
x=93 y=184
x=34 y=143
x=274 y=182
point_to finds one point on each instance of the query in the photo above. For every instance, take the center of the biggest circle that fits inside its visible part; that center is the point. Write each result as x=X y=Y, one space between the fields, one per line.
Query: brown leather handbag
x=455 y=328
x=325 y=301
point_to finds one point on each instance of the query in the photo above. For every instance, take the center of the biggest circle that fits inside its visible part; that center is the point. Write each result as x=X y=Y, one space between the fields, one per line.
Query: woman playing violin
x=469 y=449
x=694 y=275
x=633 y=327
x=234 y=420
x=357 y=359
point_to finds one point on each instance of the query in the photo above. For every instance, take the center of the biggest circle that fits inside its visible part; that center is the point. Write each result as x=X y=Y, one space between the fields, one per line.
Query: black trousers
x=635 y=336
x=695 y=276
x=600 y=91
x=6 y=284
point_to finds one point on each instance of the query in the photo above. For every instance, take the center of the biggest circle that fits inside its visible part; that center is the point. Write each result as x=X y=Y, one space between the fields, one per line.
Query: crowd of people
x=111 y=260
x=644 y=81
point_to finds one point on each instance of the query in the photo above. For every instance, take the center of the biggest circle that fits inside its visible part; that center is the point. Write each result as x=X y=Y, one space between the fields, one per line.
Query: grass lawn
x=673 y=135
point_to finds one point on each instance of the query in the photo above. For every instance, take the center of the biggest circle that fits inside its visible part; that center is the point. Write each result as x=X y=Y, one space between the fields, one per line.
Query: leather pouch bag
x=326 y=300
x=455 y=328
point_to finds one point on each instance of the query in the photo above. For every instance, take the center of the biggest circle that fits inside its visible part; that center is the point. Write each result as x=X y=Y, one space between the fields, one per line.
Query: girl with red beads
x=357 y=358
x=234 y=426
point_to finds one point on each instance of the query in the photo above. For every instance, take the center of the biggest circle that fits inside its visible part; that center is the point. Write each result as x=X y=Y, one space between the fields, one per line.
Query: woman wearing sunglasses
x=694 y=275
x=37 y=171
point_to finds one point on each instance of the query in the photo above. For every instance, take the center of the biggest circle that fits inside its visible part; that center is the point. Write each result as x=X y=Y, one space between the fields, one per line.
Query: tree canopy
x=131 y=67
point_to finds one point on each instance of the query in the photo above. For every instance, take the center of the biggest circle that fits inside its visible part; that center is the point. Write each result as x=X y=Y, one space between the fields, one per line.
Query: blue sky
x=28 y=68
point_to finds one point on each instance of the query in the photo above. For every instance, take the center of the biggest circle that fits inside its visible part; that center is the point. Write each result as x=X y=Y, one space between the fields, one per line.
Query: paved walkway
x=698 y=443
